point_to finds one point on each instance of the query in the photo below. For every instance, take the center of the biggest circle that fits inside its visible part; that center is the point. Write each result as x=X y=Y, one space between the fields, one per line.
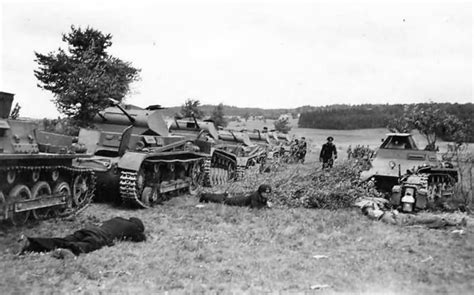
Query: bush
x=310 y=187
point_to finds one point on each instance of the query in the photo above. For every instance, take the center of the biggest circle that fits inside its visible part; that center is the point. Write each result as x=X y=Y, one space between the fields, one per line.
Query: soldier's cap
x=138 y=222
x=264 y=188
x=330 y=138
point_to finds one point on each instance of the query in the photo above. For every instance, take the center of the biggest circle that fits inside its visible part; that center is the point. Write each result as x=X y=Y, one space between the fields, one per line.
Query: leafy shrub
x=310 y=187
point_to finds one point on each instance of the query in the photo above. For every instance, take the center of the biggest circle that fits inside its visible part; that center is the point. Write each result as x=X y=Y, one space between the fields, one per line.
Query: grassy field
x=220 y=249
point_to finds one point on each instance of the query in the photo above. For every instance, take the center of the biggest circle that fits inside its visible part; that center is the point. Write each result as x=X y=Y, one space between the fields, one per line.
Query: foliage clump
x=311 y=187
x=217 y=116
x=335 y=188
x=190 y=109
x=283 y=124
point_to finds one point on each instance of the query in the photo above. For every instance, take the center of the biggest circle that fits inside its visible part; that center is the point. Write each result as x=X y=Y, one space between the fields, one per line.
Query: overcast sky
x=269 y=54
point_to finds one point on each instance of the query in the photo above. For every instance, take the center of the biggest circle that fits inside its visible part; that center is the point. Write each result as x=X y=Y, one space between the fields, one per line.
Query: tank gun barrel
x=117 y=104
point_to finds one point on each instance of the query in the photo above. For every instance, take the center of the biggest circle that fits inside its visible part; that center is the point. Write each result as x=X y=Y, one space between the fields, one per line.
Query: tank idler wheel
x=40 y=190
x=18 y=193
x=63 y=189
x=79 y=190
x=149 y=196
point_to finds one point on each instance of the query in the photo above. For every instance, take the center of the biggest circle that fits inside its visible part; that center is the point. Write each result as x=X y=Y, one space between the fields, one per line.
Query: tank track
x=436 y=186
x=128 y=188
x=67 y=207
x=134 y=192
x=219 y=173
x=207 y=181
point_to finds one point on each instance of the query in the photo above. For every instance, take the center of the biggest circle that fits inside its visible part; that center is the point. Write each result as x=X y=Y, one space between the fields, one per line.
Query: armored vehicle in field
x=244 y=153
x=230 y=154
x=37 y=175
x=136 y=160
x=397 y=154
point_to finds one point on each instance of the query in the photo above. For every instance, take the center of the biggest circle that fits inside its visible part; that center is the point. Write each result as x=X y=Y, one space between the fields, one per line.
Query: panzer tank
x=239 y=150
x=230 y=153
x=37 y=175
x=136 y=160
x=397 y=154
x=206 y=137
x=425 y=187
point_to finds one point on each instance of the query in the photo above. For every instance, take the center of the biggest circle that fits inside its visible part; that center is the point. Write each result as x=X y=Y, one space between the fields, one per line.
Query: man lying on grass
x=88 y=239
x=394 y=217
x=257 y=199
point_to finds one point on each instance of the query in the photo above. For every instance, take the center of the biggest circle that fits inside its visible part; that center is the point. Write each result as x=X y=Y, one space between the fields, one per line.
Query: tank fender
x=131 y=161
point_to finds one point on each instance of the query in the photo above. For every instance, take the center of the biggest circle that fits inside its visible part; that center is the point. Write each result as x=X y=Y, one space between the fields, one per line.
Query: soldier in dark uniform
x=90 y=238
x=327 y=152
x=257 y=199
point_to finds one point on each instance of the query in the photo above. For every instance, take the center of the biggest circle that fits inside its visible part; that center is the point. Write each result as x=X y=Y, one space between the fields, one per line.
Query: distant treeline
x=241 y=112
x=375 y=116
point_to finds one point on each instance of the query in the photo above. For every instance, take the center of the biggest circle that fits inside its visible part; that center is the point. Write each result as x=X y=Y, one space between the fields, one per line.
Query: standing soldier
x=327 y=152
x=349 y=152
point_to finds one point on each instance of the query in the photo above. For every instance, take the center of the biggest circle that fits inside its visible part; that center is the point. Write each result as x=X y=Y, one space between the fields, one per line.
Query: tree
x=218 y=116
x=191 y=109
x=431 y=121
x=400 y=123
x=83 y=78
x=283 y=124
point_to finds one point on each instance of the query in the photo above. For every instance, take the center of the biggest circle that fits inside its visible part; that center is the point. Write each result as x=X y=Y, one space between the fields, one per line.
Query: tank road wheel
x=18 y=193
x=63 y=189
x=149 y=196
x=40 y=190
x=79 y=190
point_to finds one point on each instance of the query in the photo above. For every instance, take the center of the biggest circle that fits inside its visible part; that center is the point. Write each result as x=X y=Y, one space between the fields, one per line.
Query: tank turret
x=119 y=117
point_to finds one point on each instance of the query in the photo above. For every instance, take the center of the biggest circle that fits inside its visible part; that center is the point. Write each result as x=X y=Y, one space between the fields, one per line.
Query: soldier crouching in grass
x=257 y=199
x=88 y=239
